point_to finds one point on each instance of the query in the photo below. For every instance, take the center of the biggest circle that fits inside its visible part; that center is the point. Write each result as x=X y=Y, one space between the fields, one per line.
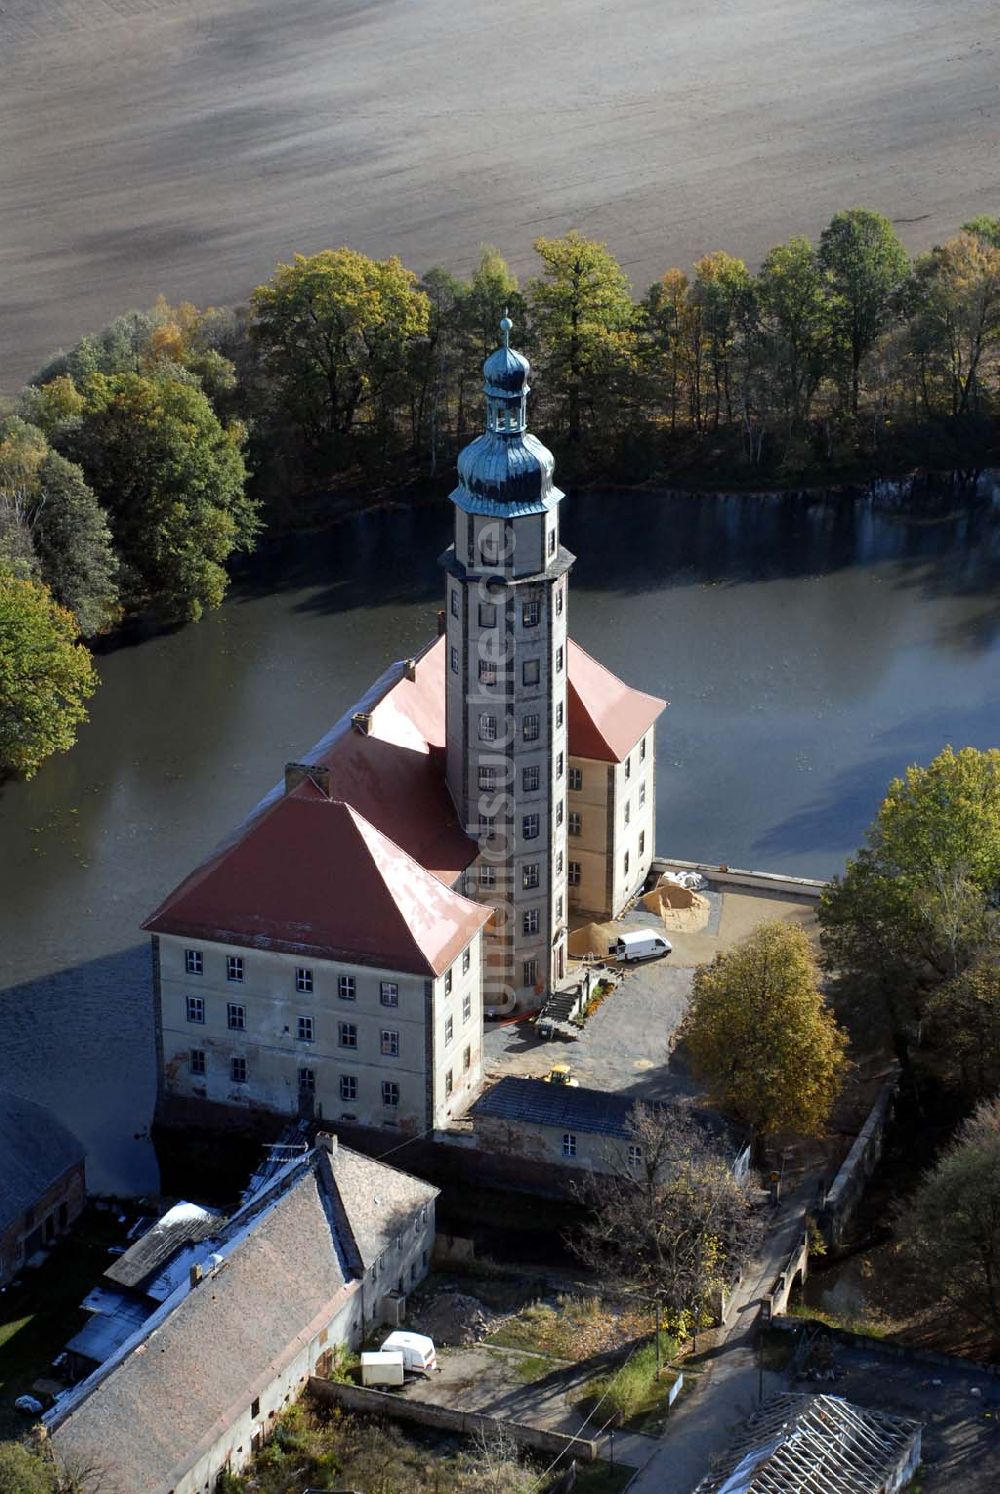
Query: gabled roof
x=149 y=1414
x=797 y=1442
x=606 y=717
x=376 y=1199
x=312 y=876
x=36 y=1150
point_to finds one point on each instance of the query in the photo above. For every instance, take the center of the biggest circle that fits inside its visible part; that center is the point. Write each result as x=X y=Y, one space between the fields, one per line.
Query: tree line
x=136 y=464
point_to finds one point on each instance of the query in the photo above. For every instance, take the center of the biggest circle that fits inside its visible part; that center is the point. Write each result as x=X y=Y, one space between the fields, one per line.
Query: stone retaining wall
x=881 y=1346
x=467 y=1423
x=845 y=1192
x=734 y=876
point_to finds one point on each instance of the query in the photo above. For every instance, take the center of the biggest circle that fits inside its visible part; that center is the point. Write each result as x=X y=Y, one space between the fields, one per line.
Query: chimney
x=361 y=721
x=442 y=623
x=296 y=773
x=326 y=1142
x=195 y=1275
x=410 y=669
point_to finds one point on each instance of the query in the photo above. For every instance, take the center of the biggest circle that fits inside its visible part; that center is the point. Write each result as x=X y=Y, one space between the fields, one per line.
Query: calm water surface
x=809 y=649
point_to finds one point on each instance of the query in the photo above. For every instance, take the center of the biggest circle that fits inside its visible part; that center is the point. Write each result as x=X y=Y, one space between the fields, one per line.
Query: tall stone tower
x=506 y=610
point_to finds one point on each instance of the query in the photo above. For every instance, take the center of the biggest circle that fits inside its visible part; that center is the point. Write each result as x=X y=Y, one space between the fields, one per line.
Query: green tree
x=762 y=1037
x=985 y=228
x=666 y=348
x=958 y=314
x=724 y=291
x=335 y=331
x=172 y=480
x=64 y=534
x=866 y=268
x=916 y=905
x=790 y=290
x=965 y=1026
x=952 y=1228
x=24 y=1472
x=45 y=677
x=583 y=318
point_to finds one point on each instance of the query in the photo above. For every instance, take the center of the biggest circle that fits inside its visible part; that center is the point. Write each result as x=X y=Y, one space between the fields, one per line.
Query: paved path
x=728 y=1390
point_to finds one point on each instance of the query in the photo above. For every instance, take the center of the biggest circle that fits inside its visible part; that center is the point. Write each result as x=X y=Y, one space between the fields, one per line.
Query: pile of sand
x=682 y=911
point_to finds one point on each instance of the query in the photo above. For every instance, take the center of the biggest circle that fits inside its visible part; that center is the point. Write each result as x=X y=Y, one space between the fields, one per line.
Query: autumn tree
x=675 y=1224
x=582 y=314
x=964 y=1024
x=795 y=327
x=865 y=267
x=335 y=330
x=762 y=1037
x=172 y=480
x=724 y=292
x=958 y=314
x=916 y=906
x=952 y=1228
x=25 y=1472
x=45 y=677
x=666 y=348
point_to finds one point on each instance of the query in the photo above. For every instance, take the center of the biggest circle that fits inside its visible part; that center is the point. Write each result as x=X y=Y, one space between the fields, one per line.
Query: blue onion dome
x=506 y=372
x=516 y=472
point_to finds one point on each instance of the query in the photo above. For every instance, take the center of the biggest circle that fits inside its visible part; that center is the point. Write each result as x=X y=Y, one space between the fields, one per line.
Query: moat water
x=810 y=649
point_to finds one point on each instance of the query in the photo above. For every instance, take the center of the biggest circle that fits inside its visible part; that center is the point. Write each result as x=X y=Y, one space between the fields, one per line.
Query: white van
x=382 y=1369
x=416 y=1348
x=641 y=944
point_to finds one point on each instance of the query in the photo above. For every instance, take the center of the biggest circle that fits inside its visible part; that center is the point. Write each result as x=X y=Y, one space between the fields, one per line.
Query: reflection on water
x=809 y=649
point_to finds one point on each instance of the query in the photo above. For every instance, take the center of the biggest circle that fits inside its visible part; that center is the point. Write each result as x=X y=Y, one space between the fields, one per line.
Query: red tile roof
x=313 y=877
x=605 y=717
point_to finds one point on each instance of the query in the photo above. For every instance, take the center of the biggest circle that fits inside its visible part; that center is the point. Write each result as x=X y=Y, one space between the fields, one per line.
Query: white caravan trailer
x=416 y=1348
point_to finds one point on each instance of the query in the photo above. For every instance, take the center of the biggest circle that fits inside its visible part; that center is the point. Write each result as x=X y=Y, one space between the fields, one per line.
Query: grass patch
x=601 y=1478
x=38 y=1317
x=867 y=1326
x=534 y=1367
x=571 y=1327
x=633 y=1389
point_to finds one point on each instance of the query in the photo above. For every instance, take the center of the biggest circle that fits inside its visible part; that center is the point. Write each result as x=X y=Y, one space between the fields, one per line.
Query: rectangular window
x=529 y=875
x=487 y=728
x=628 y=811
x=626 y=863
x=635 y=1156
x=530 y=972
x=642 y=842
x=529 y=922
x=307 y=1081
x=306 y=1029
x=642 y=794
x=530 y=728
x=531 y=672
x=552 y=542
x=559 y=864
x=573 y=874
x=193 y=962
x=569 y=1144
x=486 y=823
x=559 y=909
x=559 y=812
x=487 y=779
x=559 y=714
x=347 y=988
x=447 y=983
x=487 y=876
x=389 y=1042
x=196 y=1008
x=390 y=1094
x=236 y=1016
x=303 y=979
x=487 y=672
x=529 y=826
x=530 y=614
x=348 y=1087
x=388 y=993
x=449 y=1083
x=449 y=1030
x=559 y=658
x=559 y=765
x=234 y=967
x=466 y=1059
x=255 y=1408
x=197 y=1060
x=628 y=768
x=347 y=1034
x=454 y=601
x=529 y=779
x=576 y=779
x=454 y=661
x=642 y=750
x=466 y=960
x=487 y=615
x=575 y=826
x=466 y=1008
x=559 y=601
x=238 y=1070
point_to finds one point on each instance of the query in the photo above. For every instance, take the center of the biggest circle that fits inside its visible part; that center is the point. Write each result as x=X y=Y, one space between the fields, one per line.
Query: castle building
x=418 y=869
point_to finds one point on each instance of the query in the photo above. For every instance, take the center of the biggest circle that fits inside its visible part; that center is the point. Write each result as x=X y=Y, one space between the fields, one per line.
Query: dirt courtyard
x=183 y=146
